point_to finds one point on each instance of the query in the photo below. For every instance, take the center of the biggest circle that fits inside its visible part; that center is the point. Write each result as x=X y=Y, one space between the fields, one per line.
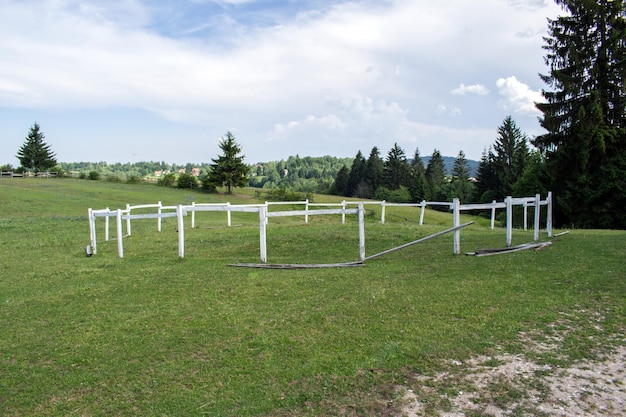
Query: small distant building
x=158 y=173
x=195 y=172
x=181 y=171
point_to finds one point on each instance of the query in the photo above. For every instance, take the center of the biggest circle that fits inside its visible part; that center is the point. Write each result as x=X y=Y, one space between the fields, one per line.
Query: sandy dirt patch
x=515 y=385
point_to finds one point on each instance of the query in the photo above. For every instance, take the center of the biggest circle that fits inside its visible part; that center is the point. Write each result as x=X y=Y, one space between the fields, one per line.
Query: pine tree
x=487 y=180
x=462 y=188
x=435 y=177
x=340 y=187
x=417 y=178
x=228 y=169
x=357 y=187
x=35 y=154
x=510 y=153
x=585 y=113
x=396 y=168
x=374 y=170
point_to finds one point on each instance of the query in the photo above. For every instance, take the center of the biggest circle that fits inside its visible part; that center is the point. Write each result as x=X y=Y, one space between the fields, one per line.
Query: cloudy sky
x=164 y=80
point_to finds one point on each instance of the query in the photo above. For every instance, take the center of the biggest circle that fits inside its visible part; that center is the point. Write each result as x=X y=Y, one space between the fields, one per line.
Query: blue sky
x=164 y=80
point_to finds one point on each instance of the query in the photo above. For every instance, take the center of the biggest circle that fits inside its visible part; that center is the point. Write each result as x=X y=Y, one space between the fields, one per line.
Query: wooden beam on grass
x=443 y=232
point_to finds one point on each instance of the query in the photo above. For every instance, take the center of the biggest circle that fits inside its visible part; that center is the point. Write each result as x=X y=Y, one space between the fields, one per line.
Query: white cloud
x=385 y=65
x=452 y=111
x=517 y=96
x=463 y=89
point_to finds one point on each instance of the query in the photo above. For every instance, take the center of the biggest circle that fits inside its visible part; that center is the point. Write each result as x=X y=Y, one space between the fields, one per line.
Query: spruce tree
x=35 y=154
x=417 y=178
x=462 y=188
x=435 y=177
x=585 y=113
x=340 y=187
x=228 y=169
x=357 y=187
x=487 y=179
x=374 y=171
x=396 y=168
x=510 y=153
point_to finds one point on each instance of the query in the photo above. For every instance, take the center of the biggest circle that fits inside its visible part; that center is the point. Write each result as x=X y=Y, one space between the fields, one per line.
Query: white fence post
x=361 y=216
x=120 y=237
x=456 y=213
x=537 y=215
x=382 y=214
x=509 y=220
x=193 y=215
x=92 y=230
x=159 y=211
x=493 y=214
x=525 y=204
x=128 y=219
x=262 y=232
x=423 y=208
x=549 y=215
x=343 y=212
x=228 y=216
x=181 y=231
x=106 y=226
x=306 y=211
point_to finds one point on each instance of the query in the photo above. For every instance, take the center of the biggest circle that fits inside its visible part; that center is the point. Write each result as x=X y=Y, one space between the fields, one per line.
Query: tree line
x=508 y=167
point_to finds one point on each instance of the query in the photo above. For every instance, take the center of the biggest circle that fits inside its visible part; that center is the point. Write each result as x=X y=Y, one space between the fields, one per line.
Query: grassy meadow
x=154 y=335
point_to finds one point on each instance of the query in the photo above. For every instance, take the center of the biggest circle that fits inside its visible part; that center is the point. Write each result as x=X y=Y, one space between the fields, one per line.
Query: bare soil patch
x=504 y=384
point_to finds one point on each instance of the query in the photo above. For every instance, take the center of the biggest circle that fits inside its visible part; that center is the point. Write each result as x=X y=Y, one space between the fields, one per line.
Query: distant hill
x=448 y=163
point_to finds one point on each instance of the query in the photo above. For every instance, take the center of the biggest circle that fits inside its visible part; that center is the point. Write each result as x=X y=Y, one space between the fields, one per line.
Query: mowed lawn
x=154 y=335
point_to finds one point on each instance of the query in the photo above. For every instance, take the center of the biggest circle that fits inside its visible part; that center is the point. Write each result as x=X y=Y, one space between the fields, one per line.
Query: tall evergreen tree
x=396 y=168
x=510 y=156
x=374 y=170
x=462 y=188
x=340 y=186
x=228 y=169
x=35 y=154
x=417 y=178
x=435 y=177
x=487 y=179
x=585 y=113
x=357 y=186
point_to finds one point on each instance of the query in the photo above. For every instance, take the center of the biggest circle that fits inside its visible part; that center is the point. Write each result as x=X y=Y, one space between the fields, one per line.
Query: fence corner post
x=382 y=211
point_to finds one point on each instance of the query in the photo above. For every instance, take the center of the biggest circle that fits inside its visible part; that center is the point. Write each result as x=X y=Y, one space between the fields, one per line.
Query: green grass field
x=154 y=335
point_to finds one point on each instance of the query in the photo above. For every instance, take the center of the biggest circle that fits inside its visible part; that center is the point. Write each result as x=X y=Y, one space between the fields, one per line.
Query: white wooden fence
x=180 y=211
x=27 y=174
